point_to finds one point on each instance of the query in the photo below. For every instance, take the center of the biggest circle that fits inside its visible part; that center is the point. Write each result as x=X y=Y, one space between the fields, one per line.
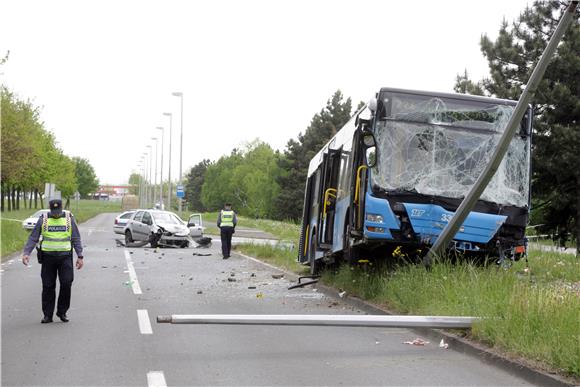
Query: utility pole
x=156 y=153
x=162 y=129
x=180 y=95
x=513 y=124
x=170 y=136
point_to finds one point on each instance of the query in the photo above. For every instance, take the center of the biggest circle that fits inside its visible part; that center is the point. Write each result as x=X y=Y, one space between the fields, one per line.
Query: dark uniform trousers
x=53 y=265
x=226 y=233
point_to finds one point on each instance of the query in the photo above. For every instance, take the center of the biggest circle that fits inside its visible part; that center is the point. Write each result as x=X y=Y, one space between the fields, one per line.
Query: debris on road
x=260 y=295
x=231 y=279
x=199 y=292
x=201 y=254
x=418 y=341
x=443 y=344
x=251 y=287
x=277 y=276
x=103 y=267
x=341 y=293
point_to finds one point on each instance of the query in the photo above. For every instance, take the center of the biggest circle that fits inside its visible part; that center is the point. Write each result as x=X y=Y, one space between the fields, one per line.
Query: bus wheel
x=314 y=265
x=350 y=252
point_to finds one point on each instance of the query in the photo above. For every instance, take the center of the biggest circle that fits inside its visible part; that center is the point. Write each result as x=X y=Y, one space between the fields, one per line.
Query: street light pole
x=145 y=193
x=150 y=168
x=170 y=137
x=162 y=129
x=156 y=158
x=180 y=95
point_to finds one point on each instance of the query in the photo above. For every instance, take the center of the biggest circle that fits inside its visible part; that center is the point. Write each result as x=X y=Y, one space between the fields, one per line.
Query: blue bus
x=391 y=179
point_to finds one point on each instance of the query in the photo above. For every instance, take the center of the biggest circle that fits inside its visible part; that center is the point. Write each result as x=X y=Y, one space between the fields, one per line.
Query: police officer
x=227 y=221
x=60 y=235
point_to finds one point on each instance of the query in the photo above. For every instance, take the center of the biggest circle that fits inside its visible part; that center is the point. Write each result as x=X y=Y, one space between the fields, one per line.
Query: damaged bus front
x=391 y=179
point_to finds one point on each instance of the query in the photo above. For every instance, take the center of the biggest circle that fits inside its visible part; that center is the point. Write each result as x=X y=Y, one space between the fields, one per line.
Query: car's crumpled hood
x=175 y=228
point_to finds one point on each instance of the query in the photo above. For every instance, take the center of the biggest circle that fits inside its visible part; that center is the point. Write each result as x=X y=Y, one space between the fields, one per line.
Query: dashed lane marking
x=144 y=322
x=132 y=275
x=156 y=379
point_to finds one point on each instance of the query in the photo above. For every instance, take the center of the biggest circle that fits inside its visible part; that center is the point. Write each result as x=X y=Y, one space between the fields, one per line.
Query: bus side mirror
x=371 y=154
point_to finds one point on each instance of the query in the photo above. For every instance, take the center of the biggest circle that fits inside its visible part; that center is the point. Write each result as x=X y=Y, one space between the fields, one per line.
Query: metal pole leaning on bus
x=439 y=322
x=475 y=193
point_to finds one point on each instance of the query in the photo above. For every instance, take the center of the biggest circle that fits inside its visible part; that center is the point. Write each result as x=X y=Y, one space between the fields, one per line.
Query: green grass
x=13 y=236
x=534 y=314
x=276 y=255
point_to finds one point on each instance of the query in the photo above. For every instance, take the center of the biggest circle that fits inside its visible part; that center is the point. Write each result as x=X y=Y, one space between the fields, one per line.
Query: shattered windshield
x=440 y=146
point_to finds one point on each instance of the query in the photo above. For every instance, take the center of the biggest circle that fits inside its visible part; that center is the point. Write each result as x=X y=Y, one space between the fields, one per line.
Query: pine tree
x=556 y=138
x=296 y=157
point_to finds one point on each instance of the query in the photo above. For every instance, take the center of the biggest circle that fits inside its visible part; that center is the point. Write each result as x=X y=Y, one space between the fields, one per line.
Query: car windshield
x=439 y=146
x=166 y=217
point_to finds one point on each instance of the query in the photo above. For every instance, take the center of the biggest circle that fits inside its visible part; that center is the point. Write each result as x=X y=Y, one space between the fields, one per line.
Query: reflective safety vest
x=227 y=219
x=56 y=233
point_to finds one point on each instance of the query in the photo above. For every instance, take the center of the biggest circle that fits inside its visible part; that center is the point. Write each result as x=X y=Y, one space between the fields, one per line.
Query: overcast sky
x=103 y=71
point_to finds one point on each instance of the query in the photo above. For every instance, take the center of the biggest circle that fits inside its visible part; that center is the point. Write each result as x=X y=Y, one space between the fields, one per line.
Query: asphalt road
x=113 y=339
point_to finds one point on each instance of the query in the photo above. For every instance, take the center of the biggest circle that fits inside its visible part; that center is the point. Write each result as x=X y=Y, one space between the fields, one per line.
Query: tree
x=296 y=157
x=194 y=180
x=556 y=174
x=86 y=178
x=246 y=178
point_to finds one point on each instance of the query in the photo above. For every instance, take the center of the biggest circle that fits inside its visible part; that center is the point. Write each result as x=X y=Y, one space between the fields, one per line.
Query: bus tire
x=314 y=265
x=350 y=252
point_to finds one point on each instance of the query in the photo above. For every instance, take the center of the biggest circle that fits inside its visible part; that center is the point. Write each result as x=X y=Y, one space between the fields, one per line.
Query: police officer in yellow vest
x=227 y=221
x=60 y=235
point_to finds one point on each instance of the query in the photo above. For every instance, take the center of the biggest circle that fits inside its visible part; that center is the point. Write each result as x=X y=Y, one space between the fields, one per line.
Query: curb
x=477 y=350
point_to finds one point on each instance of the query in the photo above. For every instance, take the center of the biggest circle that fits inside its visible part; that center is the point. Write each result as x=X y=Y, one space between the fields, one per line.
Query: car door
x=135 y=226
x=145 y=225
x=195 y=225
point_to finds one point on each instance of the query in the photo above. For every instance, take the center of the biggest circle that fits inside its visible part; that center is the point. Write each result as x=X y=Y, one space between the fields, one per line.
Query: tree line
x=30 y=158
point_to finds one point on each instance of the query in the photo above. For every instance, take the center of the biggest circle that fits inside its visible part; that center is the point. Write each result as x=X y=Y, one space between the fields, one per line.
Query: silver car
x=121 y=221
x=158 y=227
x=30 y=222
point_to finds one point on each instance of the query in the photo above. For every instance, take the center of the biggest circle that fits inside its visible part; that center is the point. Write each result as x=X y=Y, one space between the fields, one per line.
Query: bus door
x=358 y=187
x=309 y=215
x=330 y=174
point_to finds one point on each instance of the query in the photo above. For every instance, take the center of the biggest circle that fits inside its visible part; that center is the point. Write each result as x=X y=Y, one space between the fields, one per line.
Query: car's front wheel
x=128 y=237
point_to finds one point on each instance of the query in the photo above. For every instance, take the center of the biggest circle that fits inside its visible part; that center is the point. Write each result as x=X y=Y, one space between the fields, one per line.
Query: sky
x=103 y=72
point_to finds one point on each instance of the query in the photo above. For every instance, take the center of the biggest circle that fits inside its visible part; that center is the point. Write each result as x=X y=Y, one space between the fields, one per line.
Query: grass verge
x=13 y=236
x=526 y=313
x=276 y=255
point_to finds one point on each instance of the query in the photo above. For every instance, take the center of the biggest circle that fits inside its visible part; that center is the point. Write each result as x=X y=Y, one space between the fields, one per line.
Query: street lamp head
x=160 y=128
x=167 y=114
x=154 y=138
x=177 y=94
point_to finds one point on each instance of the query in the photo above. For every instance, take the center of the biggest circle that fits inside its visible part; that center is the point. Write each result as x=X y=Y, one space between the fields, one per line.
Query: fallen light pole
x=475 y=193
x=322 y=320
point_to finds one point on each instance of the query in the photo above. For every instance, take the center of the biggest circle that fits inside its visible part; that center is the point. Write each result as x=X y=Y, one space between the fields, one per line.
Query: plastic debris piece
x=251 y=287
x=253 y=275
x=417 y=341
x=260 y=295
x=341 y=293
x=231 y=279
x=443 y=344
x=199 y=292
x=277 y=276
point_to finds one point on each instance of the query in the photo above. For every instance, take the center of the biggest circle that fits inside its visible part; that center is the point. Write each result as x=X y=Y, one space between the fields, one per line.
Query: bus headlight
x=375 y=218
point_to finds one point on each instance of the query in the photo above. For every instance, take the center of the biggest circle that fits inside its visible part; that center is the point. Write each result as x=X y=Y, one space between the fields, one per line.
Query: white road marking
x=156 y=379
x=132 y=275
x=144 y=323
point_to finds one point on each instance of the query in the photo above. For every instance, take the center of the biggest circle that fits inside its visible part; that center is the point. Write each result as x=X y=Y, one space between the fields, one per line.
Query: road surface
x=113 y=339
